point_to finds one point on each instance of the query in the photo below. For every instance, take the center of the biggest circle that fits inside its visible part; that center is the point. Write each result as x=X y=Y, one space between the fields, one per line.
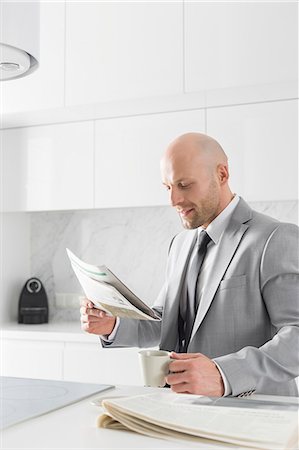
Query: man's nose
x=176 y=197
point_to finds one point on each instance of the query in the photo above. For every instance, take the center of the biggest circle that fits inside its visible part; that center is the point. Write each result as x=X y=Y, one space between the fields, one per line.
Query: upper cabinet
x=96 y=52
x=127 y=156
x=48 y=167
x=123 y=50
x=44 y=88
x=261 y=142
x=232 y=44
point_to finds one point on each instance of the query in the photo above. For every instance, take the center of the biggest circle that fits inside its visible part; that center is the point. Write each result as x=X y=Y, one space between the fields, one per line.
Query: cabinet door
x=128 y=152
x=44 y=88
x=261 y=142
x=48 y=167
x=231 y=44
x=31 y=359
x=91 y=363
x=123 y=50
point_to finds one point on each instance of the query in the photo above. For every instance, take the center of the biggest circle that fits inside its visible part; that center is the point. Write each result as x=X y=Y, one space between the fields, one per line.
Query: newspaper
x=108 y=293
x=174 y=416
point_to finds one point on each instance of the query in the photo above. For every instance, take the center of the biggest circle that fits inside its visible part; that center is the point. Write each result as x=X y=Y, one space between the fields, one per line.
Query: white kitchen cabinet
x=261 y=142
x=127 y=156
x=44 y=88
x=87 y=362
x=48 y=167
x=32 y=359
x=66 y=356
x=123 y=50
x=232 y=44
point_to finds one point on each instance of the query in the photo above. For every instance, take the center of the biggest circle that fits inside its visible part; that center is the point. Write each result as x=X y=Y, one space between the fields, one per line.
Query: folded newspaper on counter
x=108 y=293
x=189 y=418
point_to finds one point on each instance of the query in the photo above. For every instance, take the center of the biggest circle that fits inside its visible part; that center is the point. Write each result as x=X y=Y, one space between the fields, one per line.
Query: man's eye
x=184 y=186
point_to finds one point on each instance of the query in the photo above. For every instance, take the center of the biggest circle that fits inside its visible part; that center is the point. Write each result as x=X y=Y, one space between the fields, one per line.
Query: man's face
x=193 y=189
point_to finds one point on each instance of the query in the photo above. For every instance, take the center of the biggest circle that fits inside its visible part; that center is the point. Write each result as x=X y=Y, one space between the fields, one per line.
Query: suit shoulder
x=272 y=236
x=280 y=251
x=269 y=224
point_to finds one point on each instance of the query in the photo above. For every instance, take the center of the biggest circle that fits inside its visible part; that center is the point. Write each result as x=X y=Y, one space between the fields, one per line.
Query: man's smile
x=185 y=212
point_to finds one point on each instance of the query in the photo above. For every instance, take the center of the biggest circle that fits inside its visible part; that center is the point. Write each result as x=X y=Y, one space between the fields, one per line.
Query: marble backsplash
x=132 y=242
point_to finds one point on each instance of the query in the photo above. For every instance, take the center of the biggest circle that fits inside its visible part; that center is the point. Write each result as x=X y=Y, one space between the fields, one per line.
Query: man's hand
x=194 y=373
x=94 y=320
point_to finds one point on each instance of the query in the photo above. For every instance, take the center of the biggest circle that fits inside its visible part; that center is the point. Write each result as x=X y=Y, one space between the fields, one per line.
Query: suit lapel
x=229 y=243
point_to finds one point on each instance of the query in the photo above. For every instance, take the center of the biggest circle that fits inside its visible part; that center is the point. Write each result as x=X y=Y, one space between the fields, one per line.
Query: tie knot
x=203 y=239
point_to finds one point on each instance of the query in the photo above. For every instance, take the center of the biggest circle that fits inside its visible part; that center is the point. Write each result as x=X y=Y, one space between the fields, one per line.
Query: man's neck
x=223 y=204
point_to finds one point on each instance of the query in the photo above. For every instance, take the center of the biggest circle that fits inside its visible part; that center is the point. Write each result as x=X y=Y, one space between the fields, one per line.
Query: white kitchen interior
x=81 y=139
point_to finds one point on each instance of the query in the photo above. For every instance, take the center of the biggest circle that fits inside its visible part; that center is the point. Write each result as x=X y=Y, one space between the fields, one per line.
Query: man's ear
x=223 y=174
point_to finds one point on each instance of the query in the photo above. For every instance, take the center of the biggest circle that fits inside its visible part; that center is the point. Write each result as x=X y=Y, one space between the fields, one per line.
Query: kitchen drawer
x=32 y=359
x=91 y=363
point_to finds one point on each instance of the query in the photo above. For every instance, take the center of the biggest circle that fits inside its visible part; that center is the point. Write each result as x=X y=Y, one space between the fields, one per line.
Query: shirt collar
x=218 y=225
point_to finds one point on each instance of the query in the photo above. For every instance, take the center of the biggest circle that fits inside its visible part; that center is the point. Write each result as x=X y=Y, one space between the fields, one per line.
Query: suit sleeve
x=139 y=333
x=136 y=333
x=278 y=359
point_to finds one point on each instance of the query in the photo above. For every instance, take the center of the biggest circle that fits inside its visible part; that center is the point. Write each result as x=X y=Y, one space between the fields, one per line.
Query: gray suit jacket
x=249 y=313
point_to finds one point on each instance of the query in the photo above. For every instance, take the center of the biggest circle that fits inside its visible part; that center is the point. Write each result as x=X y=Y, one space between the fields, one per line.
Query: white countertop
x=52 y=331
x=74 y=427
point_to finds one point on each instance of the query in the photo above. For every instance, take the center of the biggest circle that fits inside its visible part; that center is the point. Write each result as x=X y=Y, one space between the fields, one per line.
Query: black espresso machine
x=33 y=303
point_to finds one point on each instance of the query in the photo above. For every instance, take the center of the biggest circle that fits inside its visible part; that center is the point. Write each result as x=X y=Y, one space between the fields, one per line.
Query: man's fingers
x=175 y=355
x=185 y=363
x=93 y=312
x=86 y=302
x=182 y=388
x=175 y=378
x=179 y=365
x=96 y=321
x=83 y=310
x=88 y=318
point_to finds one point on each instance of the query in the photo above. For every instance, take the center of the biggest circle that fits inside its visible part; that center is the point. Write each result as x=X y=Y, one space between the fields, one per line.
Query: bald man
x=229 y=305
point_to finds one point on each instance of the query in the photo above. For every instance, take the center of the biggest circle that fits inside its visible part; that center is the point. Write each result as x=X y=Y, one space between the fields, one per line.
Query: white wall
x=133 y=242
x=120 y=79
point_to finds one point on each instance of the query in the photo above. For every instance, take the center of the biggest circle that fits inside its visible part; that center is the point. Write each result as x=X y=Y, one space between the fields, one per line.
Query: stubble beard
x=200 y=217
x=204 y=213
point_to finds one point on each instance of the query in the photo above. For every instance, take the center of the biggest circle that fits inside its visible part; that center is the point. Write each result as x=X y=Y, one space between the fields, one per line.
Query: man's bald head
x=195 y=171
x=195 y=146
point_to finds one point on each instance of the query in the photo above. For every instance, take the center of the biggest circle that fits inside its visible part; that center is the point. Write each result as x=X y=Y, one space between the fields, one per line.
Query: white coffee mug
x=154 y=366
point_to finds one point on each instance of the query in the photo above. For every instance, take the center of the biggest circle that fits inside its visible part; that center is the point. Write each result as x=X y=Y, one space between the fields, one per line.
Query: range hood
x=19 y=38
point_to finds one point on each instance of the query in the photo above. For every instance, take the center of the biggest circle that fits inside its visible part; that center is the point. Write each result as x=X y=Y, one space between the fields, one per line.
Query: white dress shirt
x=215 y=230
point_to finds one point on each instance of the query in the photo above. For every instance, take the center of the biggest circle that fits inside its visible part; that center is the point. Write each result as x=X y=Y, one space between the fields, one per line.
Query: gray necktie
x=192 y=282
